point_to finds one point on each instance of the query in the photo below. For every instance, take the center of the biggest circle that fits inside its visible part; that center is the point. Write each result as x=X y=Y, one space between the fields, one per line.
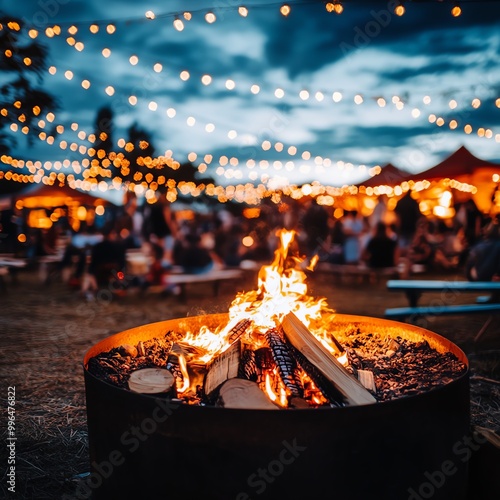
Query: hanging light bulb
x=285 y=9
x=178 y=24
x=456 y=11
x=210 y=17
x=336 y=7
x=399 y=10
x=243 y=11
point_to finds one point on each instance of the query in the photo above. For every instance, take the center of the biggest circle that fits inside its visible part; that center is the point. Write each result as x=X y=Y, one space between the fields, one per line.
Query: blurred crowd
x=402 y=238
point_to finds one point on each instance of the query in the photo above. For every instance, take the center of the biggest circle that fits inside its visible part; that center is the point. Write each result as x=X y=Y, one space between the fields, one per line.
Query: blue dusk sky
x=424 y=64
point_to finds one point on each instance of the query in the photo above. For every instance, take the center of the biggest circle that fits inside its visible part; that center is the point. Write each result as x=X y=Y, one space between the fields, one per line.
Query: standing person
x=472 y=219
x=315 y=225
x=483 y=262
x=353 y=226
x=408 y=215
x=335 y=248
x=160 y=221
x=381 y=250
x=107 y=261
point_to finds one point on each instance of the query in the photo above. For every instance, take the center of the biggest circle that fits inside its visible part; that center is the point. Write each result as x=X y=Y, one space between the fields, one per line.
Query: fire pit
x=279 y=398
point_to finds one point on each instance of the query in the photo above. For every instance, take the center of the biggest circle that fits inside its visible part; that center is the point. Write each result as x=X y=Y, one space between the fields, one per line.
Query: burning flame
x=343 y=359
x=269 y=390
x=185 y=374
x=281 y=289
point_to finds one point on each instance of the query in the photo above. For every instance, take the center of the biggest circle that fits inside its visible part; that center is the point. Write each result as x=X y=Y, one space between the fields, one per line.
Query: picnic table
x=445 y=305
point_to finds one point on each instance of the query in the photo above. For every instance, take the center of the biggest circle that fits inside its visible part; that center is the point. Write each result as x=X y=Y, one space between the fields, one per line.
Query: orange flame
x=185 y=374
x=281 y=288
x=269 y=390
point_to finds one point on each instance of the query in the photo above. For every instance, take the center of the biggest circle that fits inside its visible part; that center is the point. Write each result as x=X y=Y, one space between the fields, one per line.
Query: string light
x=285 y=10
x=481 y=132
x=210 y=17
x=178 y=24
x=399 y=10
x=456 y=11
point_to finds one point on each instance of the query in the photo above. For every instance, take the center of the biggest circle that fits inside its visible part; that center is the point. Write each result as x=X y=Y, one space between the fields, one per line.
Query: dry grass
x=45 y=332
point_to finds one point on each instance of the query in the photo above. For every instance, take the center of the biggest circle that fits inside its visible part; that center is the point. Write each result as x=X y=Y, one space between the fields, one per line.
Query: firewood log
x=287 y=367
x=151 y=381
x=223 y=367
x=238 y=330
x=265 y=363
x=304 y=341
x=248 y=367
x=329 y=391
x=244 y=394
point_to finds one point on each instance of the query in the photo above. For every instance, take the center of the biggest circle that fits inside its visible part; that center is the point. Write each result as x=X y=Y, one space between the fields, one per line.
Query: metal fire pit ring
x=145 y=447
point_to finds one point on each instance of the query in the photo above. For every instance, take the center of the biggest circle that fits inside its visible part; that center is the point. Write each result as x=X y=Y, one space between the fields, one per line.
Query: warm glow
x=399 y=10
x=285 y=10
x=281 y=289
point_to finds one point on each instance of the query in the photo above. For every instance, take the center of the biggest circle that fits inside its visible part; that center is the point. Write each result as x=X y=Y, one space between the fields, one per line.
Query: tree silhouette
x=22 y=64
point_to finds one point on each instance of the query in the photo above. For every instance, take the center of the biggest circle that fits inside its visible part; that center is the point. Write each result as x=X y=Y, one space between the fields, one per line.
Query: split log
x=305 y=342
x=287 y=367
x=243 y=394
x=238 y=330
x=367 y=380
x=264 y=362
x=223 y=367
x=196 y=371
x=140 y=349
x=327 y=389
x=248 y=366
x=151 y=381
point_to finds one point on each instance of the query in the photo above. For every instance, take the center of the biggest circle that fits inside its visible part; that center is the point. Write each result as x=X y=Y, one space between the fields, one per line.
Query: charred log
x=238 y=330
x=248 y=366
x=287 y=367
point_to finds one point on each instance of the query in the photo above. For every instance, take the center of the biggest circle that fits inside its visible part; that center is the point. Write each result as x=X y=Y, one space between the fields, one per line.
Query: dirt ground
x=46 y=330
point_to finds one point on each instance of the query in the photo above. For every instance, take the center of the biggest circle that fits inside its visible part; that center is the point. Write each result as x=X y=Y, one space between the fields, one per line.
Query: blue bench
x=448 y=290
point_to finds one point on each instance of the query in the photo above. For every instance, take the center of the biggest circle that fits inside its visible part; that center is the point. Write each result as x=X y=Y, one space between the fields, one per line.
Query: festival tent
x=389 y=175
x=364 y=198
x=44 y=204
x=45 y=196
x=467 y=175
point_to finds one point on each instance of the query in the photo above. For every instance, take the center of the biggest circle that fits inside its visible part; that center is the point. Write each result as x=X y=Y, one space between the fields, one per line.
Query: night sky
x=367 y=52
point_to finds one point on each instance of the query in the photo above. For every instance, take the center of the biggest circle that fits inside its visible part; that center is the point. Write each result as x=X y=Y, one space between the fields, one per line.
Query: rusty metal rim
x=152 y=330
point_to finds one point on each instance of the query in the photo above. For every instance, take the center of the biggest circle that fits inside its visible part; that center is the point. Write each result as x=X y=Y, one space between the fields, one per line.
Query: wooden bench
x=215 y=276
x=355 y=270
x=413 y=289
